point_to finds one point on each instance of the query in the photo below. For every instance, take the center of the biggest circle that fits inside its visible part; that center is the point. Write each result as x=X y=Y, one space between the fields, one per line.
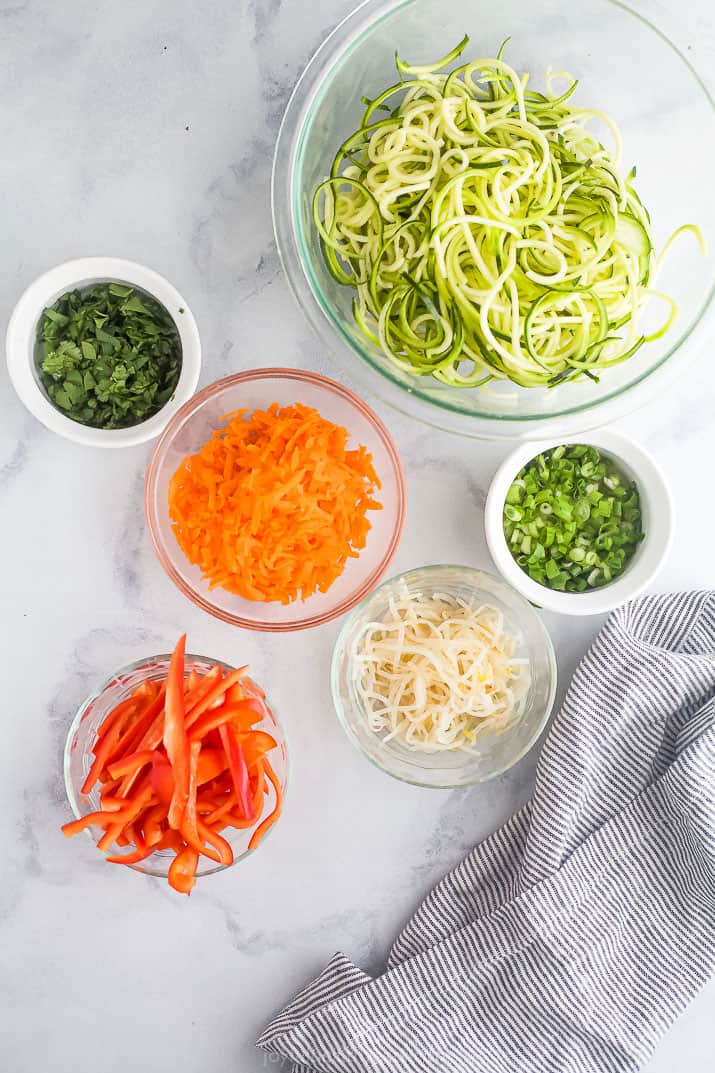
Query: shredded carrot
x=273 y=506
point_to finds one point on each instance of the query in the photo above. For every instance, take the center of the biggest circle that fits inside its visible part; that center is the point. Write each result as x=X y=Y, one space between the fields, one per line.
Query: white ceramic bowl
x=22 y=333
x=657 y=511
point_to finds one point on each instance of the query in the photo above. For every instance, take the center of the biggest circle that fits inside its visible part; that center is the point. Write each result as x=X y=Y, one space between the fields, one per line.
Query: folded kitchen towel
x=573 y=937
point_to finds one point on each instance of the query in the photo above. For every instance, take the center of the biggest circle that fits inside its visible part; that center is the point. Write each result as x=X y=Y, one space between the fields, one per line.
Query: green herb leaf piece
x=108 y=356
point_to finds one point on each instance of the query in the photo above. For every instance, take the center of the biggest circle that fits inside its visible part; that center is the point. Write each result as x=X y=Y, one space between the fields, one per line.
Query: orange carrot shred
x=274 y=505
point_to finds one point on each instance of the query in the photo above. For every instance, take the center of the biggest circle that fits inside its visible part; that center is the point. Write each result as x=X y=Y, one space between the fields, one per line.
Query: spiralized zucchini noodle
x=487 y=232
x=436 y=672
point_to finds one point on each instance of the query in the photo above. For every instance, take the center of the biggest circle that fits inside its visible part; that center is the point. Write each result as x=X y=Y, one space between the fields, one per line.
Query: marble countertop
x=146 y=131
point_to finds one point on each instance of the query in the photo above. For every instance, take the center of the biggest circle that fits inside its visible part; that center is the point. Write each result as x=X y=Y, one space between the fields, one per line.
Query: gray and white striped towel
x=573 y=937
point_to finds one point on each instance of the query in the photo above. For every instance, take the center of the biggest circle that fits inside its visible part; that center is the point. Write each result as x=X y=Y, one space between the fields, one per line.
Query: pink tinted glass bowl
x=83 y=733
x=193 y=425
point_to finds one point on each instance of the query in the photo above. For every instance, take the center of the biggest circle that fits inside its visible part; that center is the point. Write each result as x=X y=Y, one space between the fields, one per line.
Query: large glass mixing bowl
x=625 y=67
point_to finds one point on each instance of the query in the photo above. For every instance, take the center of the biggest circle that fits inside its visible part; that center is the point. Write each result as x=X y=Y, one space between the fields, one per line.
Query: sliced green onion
x=486 y=230
x=597 y=511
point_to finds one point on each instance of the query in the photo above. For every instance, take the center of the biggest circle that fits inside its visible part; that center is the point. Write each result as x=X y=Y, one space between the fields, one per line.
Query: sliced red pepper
x=255 y=746
x=212 y=762
x=139 y=854
x=216 y=717
x=203 y=687
x=131 y=764
x=133 y=833
x=249 y=688
x=213 y=695
x=235 y=693
x=252 y=711
x=217 y=813
x=154 y=831
x=120 y=712
x=232 y=819
x=176 y=742
x=119 y=820
x=211 y=835
x=90 y=819
x=139 y=736
x=172 y=840
x=259 y=788
x=110 y=787
x=189 y=826
x=182 y=871
x=103 y=750
x=162 y=779
x=238 y=769
x=258 y=834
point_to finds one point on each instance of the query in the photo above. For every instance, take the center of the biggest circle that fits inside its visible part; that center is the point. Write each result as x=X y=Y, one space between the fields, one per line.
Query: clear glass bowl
x=495 y=752
x=192 y=426
x=625 y=67
x=83 y=732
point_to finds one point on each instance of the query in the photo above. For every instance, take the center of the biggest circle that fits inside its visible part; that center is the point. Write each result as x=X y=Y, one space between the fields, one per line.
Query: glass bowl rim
x=305 y=97
x=332 y=387
x=472 y=572
x=73 y=799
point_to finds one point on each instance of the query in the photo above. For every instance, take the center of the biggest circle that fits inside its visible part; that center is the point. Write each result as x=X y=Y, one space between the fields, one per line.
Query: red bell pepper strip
x=216 y=815
x=134 y=857
x=249 y=688
x=110 y=787
x=216 y=717
x=162 y=779
x=154 y=830
x=133 y=833
x=103 y=751
x=170 y=840
x=259 y=788
x=238 y=769
x=121 y=712
x=182 y=871
x=214 y=695
x=255 y=745
x=202 y=688
x=131 y=764
x=119 y=820
x=189 y=826
x=111 y=804
x=232 y=819
x=258 y=834
x=90 y=819
x=210 y=835
x=137 y=737
x=235 y=693
x=212 y=763
x=176 y=742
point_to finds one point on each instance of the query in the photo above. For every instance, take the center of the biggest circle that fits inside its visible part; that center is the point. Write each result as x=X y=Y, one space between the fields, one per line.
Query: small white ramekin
x=657 y=511
x=22 y=335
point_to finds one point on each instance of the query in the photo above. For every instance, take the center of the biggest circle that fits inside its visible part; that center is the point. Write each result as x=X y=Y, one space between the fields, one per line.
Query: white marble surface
x=145 y=130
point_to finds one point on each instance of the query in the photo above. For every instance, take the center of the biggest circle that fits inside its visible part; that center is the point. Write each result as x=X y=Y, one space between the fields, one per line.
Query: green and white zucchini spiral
x=487 y=233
